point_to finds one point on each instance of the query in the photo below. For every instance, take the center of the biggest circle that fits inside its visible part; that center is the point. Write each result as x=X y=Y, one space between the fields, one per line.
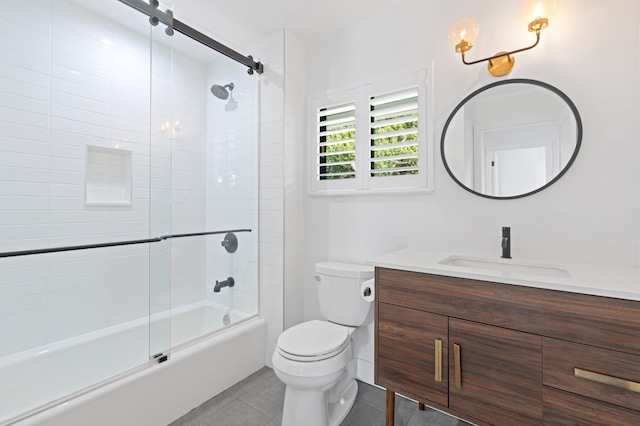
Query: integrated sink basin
x=506 y=266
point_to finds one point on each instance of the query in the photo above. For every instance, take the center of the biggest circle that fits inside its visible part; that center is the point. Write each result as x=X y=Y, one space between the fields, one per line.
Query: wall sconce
x=464 y=32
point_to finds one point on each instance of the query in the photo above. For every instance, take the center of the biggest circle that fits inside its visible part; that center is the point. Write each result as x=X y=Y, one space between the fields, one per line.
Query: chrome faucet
x=506 y=242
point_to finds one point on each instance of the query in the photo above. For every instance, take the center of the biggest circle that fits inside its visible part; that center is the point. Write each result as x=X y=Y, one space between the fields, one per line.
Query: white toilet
x=316 y=359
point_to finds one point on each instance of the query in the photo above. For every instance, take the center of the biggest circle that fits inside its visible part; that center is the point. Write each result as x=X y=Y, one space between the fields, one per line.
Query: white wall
x=592 y=214
x=294 y=182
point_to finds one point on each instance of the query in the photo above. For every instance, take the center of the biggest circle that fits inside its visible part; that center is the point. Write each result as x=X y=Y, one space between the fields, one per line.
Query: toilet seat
x=313 y=341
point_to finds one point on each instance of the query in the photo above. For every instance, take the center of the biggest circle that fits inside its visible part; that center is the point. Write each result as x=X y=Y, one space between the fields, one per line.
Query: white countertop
x=598 y=280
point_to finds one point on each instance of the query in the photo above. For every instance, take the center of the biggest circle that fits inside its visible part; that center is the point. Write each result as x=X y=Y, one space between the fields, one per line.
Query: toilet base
x=314 y=407
x=339 y=409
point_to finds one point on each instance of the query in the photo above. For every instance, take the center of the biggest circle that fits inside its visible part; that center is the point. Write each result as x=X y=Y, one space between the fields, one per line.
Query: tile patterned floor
x=257 y=401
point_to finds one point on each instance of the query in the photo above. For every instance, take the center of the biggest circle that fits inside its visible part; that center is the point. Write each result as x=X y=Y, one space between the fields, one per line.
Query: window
x=371 y=138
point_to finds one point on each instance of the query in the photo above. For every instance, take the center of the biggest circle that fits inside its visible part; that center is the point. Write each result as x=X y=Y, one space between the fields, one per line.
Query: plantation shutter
x=336 y=142
x=372 y=138
x=393 y=129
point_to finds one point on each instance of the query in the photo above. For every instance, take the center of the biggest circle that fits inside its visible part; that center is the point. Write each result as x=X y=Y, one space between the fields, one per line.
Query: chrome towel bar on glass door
x=114 y=243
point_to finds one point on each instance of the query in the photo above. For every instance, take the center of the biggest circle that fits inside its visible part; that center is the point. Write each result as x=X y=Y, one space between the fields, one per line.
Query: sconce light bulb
x=537 y=13
x=463 y=30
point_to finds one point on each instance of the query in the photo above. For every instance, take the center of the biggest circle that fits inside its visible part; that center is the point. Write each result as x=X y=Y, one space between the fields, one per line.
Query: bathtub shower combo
x=128 y=214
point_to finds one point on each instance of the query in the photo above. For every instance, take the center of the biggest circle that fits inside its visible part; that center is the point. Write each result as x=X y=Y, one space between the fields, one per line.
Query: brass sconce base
x=501 y=65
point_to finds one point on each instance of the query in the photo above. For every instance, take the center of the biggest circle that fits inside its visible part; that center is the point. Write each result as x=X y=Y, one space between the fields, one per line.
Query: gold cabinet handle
x=438 y=358
x=607 y=380
x=456 y=362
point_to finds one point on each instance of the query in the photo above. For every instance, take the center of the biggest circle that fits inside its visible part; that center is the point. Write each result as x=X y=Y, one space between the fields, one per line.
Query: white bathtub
x=148 y=393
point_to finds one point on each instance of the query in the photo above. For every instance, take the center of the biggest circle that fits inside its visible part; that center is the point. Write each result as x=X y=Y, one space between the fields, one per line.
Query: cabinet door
x=409 y=359
x=497 y=377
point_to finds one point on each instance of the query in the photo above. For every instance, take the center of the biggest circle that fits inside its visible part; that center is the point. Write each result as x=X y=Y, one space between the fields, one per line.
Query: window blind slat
x=394 y=145
x=394 y=121
x=332 y=154
x=337 y=121
x=340 y=163
x=336 y=142
x=394 y=133
x=336 y=132
x=395 y=170
x=395 y=109
x=338 y=109
x=394 y=97
x=345 y=174
x=394 y=157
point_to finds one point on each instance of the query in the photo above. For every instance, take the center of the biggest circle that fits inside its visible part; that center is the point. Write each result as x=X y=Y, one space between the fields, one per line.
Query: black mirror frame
x=553 y=89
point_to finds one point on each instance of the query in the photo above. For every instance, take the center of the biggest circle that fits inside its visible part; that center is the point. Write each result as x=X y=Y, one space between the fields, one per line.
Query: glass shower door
x=214 y=128
x=77 y=169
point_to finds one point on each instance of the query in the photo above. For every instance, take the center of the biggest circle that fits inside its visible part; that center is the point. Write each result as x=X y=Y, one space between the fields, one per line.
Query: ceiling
x=244 y=21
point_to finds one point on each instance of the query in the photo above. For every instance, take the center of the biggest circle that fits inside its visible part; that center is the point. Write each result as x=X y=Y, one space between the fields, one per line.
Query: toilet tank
x=339 y=292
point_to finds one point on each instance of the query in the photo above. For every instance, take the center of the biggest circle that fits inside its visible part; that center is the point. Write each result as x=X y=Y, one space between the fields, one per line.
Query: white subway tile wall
x=72 y=78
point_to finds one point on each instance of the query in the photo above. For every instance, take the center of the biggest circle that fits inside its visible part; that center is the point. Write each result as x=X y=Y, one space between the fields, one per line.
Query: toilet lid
x=313 y=341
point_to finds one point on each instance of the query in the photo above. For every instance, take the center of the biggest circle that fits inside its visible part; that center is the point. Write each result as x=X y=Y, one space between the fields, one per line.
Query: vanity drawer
x=566 y=409
x=602 y=374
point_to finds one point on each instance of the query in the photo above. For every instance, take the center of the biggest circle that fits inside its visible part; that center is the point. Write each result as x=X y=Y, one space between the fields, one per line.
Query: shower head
x=221 y=92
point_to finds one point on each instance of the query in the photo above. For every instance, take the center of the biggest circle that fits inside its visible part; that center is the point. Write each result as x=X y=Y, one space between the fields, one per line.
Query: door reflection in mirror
x=511 y=138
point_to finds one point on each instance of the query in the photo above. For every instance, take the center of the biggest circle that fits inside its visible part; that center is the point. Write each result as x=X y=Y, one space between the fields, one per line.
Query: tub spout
x=229 y=282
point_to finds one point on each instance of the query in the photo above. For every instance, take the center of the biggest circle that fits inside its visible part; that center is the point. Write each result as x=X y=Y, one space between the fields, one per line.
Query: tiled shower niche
x=107 y=177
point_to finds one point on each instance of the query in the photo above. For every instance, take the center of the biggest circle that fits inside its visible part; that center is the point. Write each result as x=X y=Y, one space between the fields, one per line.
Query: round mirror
x=511 y=139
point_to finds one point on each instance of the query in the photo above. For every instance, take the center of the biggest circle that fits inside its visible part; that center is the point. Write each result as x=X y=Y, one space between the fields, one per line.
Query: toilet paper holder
x=367 y=290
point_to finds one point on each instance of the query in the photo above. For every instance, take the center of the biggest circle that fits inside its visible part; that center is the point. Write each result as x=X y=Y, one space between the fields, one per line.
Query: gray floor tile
x=434 y=418
x=267 y=400
x=374 y=397
x=257 y=401
x=235 y=413
x=362 y=414
x=264 y=377
x=277 y=421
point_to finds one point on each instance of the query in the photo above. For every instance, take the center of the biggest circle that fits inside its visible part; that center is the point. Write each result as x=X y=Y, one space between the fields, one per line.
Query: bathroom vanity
x=503 y=347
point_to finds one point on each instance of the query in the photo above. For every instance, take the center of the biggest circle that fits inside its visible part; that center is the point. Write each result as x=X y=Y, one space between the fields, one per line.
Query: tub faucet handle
x=230 y=242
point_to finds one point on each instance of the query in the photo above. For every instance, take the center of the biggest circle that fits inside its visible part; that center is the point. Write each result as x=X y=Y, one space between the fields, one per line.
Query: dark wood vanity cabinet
x=500 y=354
